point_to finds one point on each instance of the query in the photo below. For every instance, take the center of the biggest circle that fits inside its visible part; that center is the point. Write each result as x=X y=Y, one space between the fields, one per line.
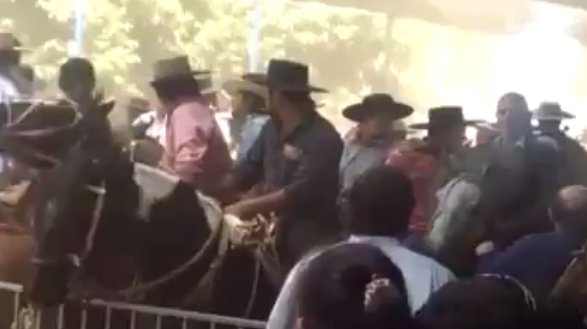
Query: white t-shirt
x=8 y=90
x=422 y=275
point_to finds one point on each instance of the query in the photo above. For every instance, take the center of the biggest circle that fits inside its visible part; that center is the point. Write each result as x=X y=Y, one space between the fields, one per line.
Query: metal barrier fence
x=24 y=318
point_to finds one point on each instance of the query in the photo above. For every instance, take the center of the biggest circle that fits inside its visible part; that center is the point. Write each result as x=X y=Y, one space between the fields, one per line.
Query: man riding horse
x=97 y=237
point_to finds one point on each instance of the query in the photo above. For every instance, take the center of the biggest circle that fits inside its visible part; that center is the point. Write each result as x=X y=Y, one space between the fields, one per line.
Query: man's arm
x=320 y=160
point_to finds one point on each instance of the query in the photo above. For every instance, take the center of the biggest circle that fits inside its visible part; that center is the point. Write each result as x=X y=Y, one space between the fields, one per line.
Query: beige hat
x=550 y=111
x=249 y=82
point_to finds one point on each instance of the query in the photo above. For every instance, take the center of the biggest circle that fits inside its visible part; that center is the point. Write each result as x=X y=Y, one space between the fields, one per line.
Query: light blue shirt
x=356 y=159
x=422 y=275
x=455 y=201
x=252 y=127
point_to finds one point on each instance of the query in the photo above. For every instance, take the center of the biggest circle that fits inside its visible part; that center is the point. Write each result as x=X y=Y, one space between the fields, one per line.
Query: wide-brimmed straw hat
x=445 y=117
x=376 y=104
x=174 y=68
x=8 y=42
x=286 y=75
x=250 y=82
x=551 y=111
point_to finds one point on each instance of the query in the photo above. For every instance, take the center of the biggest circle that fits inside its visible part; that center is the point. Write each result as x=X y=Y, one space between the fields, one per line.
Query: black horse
x=98 y=238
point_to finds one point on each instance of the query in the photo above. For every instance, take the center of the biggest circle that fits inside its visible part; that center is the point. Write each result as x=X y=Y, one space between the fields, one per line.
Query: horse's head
x=73 y=197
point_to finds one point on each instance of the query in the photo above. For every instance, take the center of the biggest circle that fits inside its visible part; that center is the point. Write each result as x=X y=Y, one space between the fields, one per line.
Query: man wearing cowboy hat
x=249 y=110
x=367 y=144
x=431 y=164
x=294 y=161
x=573 y=166
x=14 y=82
x=195 y=149
x=528 y=166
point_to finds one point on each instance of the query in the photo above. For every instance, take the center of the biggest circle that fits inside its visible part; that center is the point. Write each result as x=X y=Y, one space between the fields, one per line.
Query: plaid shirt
x=422 y=169
x=195 y=147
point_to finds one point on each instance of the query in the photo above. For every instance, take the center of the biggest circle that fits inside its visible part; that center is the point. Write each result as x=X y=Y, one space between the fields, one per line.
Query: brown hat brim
x=306 y=88
x=426 y=125
x=554 y=117
x=359 y=112
x=234 y=87
x=191 y=74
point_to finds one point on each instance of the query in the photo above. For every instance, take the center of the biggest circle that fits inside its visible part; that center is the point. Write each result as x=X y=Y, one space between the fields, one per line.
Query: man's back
x=195 y=148
x=536 y=260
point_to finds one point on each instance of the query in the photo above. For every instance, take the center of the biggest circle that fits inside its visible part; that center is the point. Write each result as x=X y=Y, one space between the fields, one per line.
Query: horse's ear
x=107 y=107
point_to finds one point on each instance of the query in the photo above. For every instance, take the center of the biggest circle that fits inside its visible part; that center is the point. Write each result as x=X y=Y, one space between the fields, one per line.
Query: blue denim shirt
x=251 y=128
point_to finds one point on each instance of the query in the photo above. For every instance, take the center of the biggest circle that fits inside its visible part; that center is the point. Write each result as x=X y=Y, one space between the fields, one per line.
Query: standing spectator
x=486 y=302
x=431 y=164
x=538 y=260
x=353 y=286
x=380 y=204
x=573 y=158
x=15 y=81
x=249 y=113
x=366 y=145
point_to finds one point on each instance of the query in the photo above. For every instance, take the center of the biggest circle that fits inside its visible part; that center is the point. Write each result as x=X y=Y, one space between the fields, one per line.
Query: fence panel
x=99 y=314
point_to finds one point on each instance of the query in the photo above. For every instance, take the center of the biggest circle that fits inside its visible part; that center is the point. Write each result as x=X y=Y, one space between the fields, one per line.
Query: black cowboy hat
x=550 y=111
x=8 y=42
x=286 y=75
x=375 y=104
x=174 y=68
x=445 y=116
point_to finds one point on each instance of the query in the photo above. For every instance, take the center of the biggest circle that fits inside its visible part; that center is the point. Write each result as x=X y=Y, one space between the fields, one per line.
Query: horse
x=16 y=246
x=97 y=238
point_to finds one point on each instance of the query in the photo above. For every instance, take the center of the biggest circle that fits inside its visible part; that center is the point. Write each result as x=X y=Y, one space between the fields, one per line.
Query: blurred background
x=425 y=52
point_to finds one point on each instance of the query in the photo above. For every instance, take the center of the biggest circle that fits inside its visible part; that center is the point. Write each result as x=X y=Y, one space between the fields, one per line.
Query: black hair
x=380 y=202
x=76 y=70
x=257 y=102
x=570 y=212
x=9 y=58
x=301 y=99
x=335 y=289
x=173 y=89
x=479 y=303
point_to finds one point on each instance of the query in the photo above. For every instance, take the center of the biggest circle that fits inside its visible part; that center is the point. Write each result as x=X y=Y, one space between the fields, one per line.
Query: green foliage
x=350 y=52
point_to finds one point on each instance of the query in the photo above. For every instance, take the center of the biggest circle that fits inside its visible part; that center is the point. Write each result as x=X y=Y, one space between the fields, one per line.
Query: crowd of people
x=376 y=229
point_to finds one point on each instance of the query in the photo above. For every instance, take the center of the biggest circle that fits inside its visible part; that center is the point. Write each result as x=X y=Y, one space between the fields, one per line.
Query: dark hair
x=569 y=209
x=257 y=102
x=380 y=202
x=337 y=290
x=479 y=303
x=174 y=89
x=76 y=70
x=299 y=98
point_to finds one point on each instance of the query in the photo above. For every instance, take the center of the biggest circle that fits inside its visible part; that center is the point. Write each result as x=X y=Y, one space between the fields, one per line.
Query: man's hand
x=242 y=209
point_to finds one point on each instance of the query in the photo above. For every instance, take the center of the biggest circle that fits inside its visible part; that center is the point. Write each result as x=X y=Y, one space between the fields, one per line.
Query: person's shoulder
x=324 y=131
x=425 y=262
x=534 y=241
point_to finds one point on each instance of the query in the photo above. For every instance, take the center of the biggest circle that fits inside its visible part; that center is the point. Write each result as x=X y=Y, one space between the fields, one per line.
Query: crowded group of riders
x=148 y=211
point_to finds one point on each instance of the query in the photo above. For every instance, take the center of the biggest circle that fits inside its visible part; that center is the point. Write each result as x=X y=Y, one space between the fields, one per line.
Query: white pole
x=254 y=40
x=76 y=46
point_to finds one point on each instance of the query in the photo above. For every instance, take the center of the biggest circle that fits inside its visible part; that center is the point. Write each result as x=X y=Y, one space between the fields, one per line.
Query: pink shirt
x=195 y=147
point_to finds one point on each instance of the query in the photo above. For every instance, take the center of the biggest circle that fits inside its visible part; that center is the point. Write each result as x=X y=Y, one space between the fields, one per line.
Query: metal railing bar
x=11 y=287
x=189 y=315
